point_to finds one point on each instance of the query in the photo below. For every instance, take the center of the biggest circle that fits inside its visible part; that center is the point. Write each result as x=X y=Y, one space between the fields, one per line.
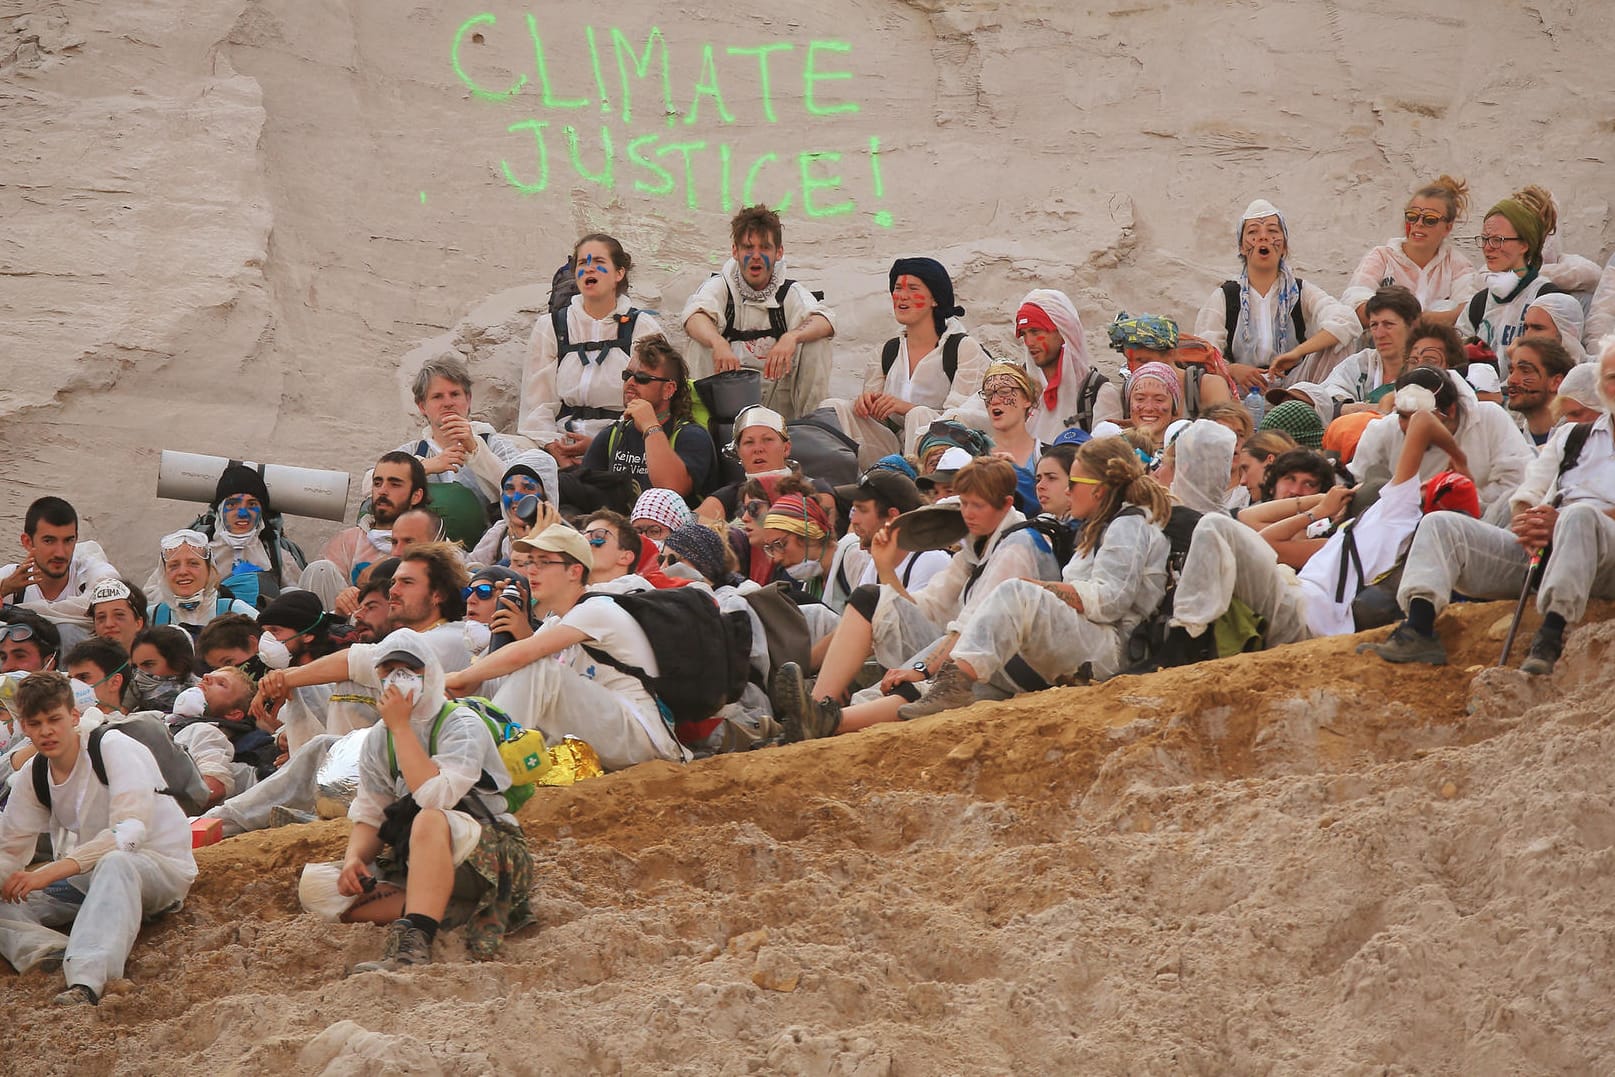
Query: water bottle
x=510 y=597
x=1256 y=404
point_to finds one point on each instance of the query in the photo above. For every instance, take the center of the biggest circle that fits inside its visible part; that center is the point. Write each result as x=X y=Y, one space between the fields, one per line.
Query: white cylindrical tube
x=294 y=491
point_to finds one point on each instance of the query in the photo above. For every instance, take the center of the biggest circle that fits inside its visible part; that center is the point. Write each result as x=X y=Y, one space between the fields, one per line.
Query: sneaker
x=1406 y=645
x=406 y=945
x=281 y=815
x=800 y=715
x=78 y=995
x=1545 y=651
x=951 y=690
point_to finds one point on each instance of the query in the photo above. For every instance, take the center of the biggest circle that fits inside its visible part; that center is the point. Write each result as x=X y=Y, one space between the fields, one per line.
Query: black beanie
x=936 y=278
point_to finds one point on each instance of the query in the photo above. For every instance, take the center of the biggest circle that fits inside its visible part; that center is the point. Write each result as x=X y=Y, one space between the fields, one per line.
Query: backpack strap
x=563 y=335
x=1089 y=396
x=163 y=615
x=728 y=310
x=431 y=740
x=776 y=313
x=1349 y=561
x=1477 y=308
x=1574 y=441
x=1230 y=311
x=41 y=774
x=98 y=764
x=1297 y=316
x=888 y=355
x=1191 y=390
x=950 y=355
x=776 y=317
x=41 y=782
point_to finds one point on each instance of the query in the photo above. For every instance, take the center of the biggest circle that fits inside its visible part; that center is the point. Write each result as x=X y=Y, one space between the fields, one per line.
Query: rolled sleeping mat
x=295 y=491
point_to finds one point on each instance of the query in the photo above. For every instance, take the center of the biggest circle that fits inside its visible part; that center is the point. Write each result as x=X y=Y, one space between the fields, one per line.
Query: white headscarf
x=1289 y=292
x=1074 y=359
x=1204 y=461
x=1567 y=315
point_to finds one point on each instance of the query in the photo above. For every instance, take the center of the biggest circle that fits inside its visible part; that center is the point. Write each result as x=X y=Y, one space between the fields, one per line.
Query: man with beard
x=397 y=484
x=1564 y=508
x=656 y=443
x=1536 y=367
x=779 y=326
x=1071 y=391
x=56 y=578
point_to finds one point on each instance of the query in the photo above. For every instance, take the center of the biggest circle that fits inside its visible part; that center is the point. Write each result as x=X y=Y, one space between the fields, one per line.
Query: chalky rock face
x=235 y=229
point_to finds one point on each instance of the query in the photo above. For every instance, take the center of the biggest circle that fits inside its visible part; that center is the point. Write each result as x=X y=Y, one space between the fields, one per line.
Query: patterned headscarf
x=1164 y=373
x=1013 y=372
x=1149 y=331
x=798 y=515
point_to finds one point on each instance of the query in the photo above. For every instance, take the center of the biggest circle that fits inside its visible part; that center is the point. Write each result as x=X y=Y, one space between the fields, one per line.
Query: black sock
x=1553 y=625
x=427 y=925
x=1422 y=616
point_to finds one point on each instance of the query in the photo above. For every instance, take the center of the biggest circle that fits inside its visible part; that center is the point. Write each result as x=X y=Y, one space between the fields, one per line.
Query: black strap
x=97 y=764
x=1089 y=396
x=776 y=317
x=1477 y=309
x=908 y=569
x=1349 y=561
x=1230 y=313
x=1191 y=390
x=1024 y=676
x=593 y=351
x=1574 y=442
x=950 y=355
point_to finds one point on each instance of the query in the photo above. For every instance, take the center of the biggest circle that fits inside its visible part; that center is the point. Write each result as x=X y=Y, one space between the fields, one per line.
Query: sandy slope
x=1203 y=871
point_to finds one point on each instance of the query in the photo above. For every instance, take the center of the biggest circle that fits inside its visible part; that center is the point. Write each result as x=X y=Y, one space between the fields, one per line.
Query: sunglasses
x=754 y=508
x=668 y=559
x=1429 y=220
x=639 y=377
x=482 y=590
x=1083 y=480
x=16 y=633
x=949 y=432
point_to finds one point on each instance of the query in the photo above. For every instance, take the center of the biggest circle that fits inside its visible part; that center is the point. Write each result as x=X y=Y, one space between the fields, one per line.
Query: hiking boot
x=1546 y=648
x=406 y=945
x=281 y=815
x=77 y=995
x=950 y=690
x=52 y=962
x=799 y=714
x=1406 y=645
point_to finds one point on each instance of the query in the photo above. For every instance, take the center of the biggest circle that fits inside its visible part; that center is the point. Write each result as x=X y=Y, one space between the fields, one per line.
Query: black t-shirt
x=621 y=449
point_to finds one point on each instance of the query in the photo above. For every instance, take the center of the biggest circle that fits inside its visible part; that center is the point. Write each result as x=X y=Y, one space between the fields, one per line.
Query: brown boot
x=406 y=945
x=951 y=689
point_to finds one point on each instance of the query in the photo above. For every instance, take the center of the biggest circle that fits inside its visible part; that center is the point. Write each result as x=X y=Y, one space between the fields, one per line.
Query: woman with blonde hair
x=1031 y=634
x=1420 y=259
x=187 y=593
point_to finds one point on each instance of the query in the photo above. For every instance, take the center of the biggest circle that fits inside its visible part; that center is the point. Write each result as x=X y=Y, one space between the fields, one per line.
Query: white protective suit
x=1047 y=423
x=799 y=392
x=1497 y=451
x=1568 y=318
x=571 y=693
x=1203 y=465
x=195 y=610
x=465 y=752
x=1503 y=316
x=1446 y=283
x=133 y=844
x=1601 y=309
x=927 y=388
x=69 y=611
x=1120 y=583
x=1452 y=552
x=902 y=629
x=549 y=384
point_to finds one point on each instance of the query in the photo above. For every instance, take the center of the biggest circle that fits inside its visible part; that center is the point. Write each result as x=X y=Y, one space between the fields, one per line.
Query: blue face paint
x=590 y=263
x=516 y=488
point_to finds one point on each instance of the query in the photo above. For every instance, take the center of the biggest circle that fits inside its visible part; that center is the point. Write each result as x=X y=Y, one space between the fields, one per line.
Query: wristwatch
x=923 y=670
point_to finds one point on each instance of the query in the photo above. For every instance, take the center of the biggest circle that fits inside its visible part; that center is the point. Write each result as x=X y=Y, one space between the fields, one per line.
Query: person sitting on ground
x=1421 y=260
x=798 y=536
x=1009 y=395
x=1537 y=367
x=1273 y=328
x=105 y=667
x=1070 y=391
x=1203 y=467
x=932 y=367
x=1363 y=381
x=1298 y=421
x=657 y=443
x=187 y=590
x=118 y=610
x=896 y=625
x=231 y=640
x=618 y=550
x=762 y=443
x=249 y=542
x=577 y=695
x=1054 y=480
x=571 y=388
x=1557 y=317
x=417 y=527
x=530 y=483
x=130 y=856
x=878 y=497
x=397 y=484
x=1154 y=398
x=1294 y=472
x=1496 y=450
x=229 y=750
x=57 y=577
x=1432 y=344
x=1149 y=338
x=297 y=633
x=1577 y=400
x=782 y=329
x=452 y=447
x=163 y=661
x=485 y=603
x=431 y=770
x=658 y=513
x=28 y=642
x=1229 y=560
x=1511 y=238
x=1566 y=502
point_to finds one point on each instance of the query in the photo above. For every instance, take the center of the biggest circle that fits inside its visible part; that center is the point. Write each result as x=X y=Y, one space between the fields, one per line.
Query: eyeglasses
x=563 y=561
x=1491 y=243
x=481 y=590
x=993 y=396
x=596 y=536
x=639 y=377
x=754 y=508
x=16 y=633
x=652 y=530
x=1429 y=220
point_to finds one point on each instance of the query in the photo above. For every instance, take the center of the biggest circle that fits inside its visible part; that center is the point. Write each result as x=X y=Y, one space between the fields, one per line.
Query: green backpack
x=523 y=750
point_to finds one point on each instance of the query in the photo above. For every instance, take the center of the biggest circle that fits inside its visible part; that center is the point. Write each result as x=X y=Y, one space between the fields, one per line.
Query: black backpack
x=950 y=355
x=185 y=783
x=624 y=340
x=704 y=654
x=1230 y=301
x=252 y=745
x=1091 y=385
x=1061 y=539
x=1149 y=638
x=776 y=316
x=1477 y=302
x=822 y=449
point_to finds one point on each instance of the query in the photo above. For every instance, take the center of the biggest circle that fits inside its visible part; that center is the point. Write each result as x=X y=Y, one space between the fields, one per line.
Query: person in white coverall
x=129 y=855
x=1422 y=259
x=750 y=315
x=58 y=577
x=908 y=383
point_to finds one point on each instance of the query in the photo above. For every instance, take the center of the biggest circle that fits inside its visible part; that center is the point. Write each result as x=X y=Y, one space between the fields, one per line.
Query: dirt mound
x=1304 y=860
